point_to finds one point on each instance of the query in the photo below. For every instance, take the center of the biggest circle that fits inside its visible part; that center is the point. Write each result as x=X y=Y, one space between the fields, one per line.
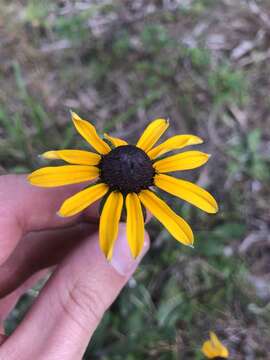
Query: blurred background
x=204 y=64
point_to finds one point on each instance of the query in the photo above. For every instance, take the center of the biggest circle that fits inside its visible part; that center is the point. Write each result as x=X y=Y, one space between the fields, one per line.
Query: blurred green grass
x=120 y=65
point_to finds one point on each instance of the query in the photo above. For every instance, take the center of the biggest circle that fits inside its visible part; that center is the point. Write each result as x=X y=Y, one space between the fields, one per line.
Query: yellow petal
x=135 y=224
x=214 y=339
x=89 y=133
x=79 y=157
x=224 y=352
x=208 y=350
x=174 y=223
x=174 y=143
x=109 y=221
x=63 y=175
x=152 y=133
x=221 y=350
x=115 y=141
x=82 y=200
x=185 y=161
x=187 y=191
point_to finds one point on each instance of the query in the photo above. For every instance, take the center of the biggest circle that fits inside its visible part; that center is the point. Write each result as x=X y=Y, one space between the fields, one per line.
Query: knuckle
x=83 y=303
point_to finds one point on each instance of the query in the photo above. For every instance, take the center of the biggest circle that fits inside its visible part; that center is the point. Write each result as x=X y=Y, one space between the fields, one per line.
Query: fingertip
x=123 y=261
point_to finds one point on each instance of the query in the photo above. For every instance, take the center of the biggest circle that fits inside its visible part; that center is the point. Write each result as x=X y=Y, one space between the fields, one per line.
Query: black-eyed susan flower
x=214 y=349
x=126 y=175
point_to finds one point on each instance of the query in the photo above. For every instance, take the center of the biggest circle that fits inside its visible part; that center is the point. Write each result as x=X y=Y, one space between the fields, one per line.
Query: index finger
x=25 y=208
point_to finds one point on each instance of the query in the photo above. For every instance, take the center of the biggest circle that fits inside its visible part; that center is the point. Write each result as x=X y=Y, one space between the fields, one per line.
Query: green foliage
x=228 y=85
x=73 y=27
x=36 y=12
x=246 y=150
x=199 y=57
x=196 y=7
x=121 y=45
x=154 y=38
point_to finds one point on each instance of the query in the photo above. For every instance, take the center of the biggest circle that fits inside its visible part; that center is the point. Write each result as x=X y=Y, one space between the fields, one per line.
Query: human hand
x=35 y=240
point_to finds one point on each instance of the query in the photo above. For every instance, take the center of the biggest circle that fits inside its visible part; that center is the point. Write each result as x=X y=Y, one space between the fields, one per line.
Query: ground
x=204 y=64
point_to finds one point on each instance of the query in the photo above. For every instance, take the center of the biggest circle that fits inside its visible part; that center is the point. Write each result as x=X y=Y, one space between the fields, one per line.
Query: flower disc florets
x=127 y=169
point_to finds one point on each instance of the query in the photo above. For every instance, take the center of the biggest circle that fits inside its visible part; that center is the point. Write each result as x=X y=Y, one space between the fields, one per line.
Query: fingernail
x=122 y=260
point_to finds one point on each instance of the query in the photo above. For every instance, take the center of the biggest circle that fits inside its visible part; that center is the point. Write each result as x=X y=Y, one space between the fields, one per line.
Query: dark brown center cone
x=127 y=169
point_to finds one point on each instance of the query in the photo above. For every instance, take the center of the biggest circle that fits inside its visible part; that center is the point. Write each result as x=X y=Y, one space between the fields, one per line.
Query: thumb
x=73 y=302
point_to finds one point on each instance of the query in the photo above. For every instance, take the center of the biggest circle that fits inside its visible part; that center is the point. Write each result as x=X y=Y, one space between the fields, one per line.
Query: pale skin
x=35 y=240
